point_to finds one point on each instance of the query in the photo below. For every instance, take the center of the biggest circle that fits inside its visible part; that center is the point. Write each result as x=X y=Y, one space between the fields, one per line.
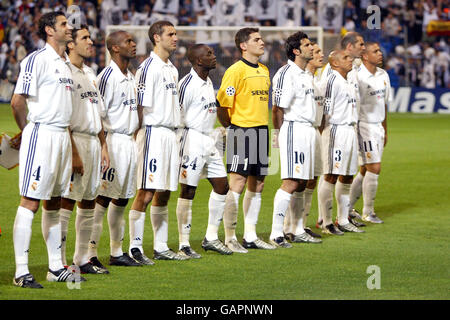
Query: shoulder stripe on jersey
x=103 y=80
x=142 y=79
x=30 y=159
x=183 y=87
x=329 y=86
x=29 y=68
x=329 y=71
x=280 y=84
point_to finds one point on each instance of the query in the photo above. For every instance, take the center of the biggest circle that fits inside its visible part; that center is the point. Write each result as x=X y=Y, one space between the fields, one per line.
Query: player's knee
x=331 y=178
x=30 y=204
x=374 y=168
x=346 y=179
x=103 y=201
x=161 y=199
x=311 y=184
x=187 y=192
x=120 y=202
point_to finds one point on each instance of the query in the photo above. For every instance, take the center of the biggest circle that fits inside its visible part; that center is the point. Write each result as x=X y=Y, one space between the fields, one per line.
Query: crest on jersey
x=230 y=91
x=27 y=77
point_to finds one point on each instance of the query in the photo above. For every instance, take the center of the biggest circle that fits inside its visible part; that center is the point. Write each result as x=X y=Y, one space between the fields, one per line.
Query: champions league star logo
x=27 y=77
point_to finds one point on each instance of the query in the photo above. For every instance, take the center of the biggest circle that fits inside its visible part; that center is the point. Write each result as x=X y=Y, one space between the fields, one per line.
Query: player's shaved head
x=114 y=38
x=333 y=56
x=195 y=52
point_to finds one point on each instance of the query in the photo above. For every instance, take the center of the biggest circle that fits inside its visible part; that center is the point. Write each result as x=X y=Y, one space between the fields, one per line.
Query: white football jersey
x=293 y=90
x=157 y=92
x=87 y=103
x=198 y=102
x=374 y=90
x=119 y=97
x=340 y=100
x=318 y=97
x=46 y=79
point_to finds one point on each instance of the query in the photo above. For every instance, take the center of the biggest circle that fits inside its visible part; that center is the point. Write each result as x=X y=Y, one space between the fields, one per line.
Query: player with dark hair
x=89 y=149
x=117 y=87
x=44 y=87
x=293 y=114
x=374 y=90
x=199 y=154
x=158 y=151
x=243 y=108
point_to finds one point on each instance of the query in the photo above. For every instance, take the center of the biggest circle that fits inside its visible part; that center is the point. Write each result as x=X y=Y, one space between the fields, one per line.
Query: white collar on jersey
x=157 y=59
x=197 y=77
x=53 y=54
x=297 y=68
x=368 y=73
x=115 y=67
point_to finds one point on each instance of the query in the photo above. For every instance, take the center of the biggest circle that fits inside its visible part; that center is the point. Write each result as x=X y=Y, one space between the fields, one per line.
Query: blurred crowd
x=412 y=56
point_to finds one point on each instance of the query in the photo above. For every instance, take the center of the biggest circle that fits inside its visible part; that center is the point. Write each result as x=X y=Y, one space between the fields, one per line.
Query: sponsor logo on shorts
x=184 y=174
x=34 y=186
x=150 y=177
x=368 y=155
x=337 y=165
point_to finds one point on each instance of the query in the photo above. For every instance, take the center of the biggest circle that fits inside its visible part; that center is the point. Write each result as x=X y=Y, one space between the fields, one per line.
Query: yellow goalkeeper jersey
x=245 y=91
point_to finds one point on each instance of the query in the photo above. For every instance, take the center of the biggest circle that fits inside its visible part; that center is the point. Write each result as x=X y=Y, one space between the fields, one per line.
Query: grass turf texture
x=411 y=247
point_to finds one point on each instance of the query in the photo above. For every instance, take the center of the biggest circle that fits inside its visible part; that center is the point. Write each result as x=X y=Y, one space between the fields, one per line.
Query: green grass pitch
x=411 y=248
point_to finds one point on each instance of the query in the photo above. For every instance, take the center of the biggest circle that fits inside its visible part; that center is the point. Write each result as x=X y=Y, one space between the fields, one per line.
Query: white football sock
x=216 y=207
x=251 y=206
x=184 y=219
x=97 y=228
x=21 y=239
x=297 y=209
x=51 y=230
x=370 y=186
x=83 y=230
x=160 y=223
x=280 y=207
x=116 y=225
x=64 y=219
x=287 y=227
x=137 y=222
x=307 y=195
x=356 y=189
x=230 y=215
x=343 y=202
x=325 y=195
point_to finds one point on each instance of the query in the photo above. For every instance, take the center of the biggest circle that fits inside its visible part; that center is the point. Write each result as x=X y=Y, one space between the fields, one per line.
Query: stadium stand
x=413 y=34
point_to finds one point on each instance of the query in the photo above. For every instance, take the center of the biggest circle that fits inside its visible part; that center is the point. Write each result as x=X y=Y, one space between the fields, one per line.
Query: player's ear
x=49 y=30
x=296 y=51
x=243 y=46
x=71 y=45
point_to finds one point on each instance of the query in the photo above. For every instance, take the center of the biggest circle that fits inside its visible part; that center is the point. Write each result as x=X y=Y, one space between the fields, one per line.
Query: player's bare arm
x=19 y=109
x=105 y=155
x=77 y=164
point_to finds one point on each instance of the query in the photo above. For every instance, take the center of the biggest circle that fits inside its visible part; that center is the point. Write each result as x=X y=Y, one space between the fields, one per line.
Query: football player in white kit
x=293 y=114
x=117 y=87
x=315 y=63
x=353 y=44
x=199 y=155
x=339 y=144
x=88 y=147
x=44 y=87
x=158 y=148
x=374 y=89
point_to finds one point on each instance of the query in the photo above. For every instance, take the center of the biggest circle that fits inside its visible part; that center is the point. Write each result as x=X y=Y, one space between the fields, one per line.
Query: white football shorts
x=158 y=158
x=45 y=162
x=86 y=186
x=339 y=150
x=297 y=143
x=119 y=181
x=371 y=142
x=199 y=158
